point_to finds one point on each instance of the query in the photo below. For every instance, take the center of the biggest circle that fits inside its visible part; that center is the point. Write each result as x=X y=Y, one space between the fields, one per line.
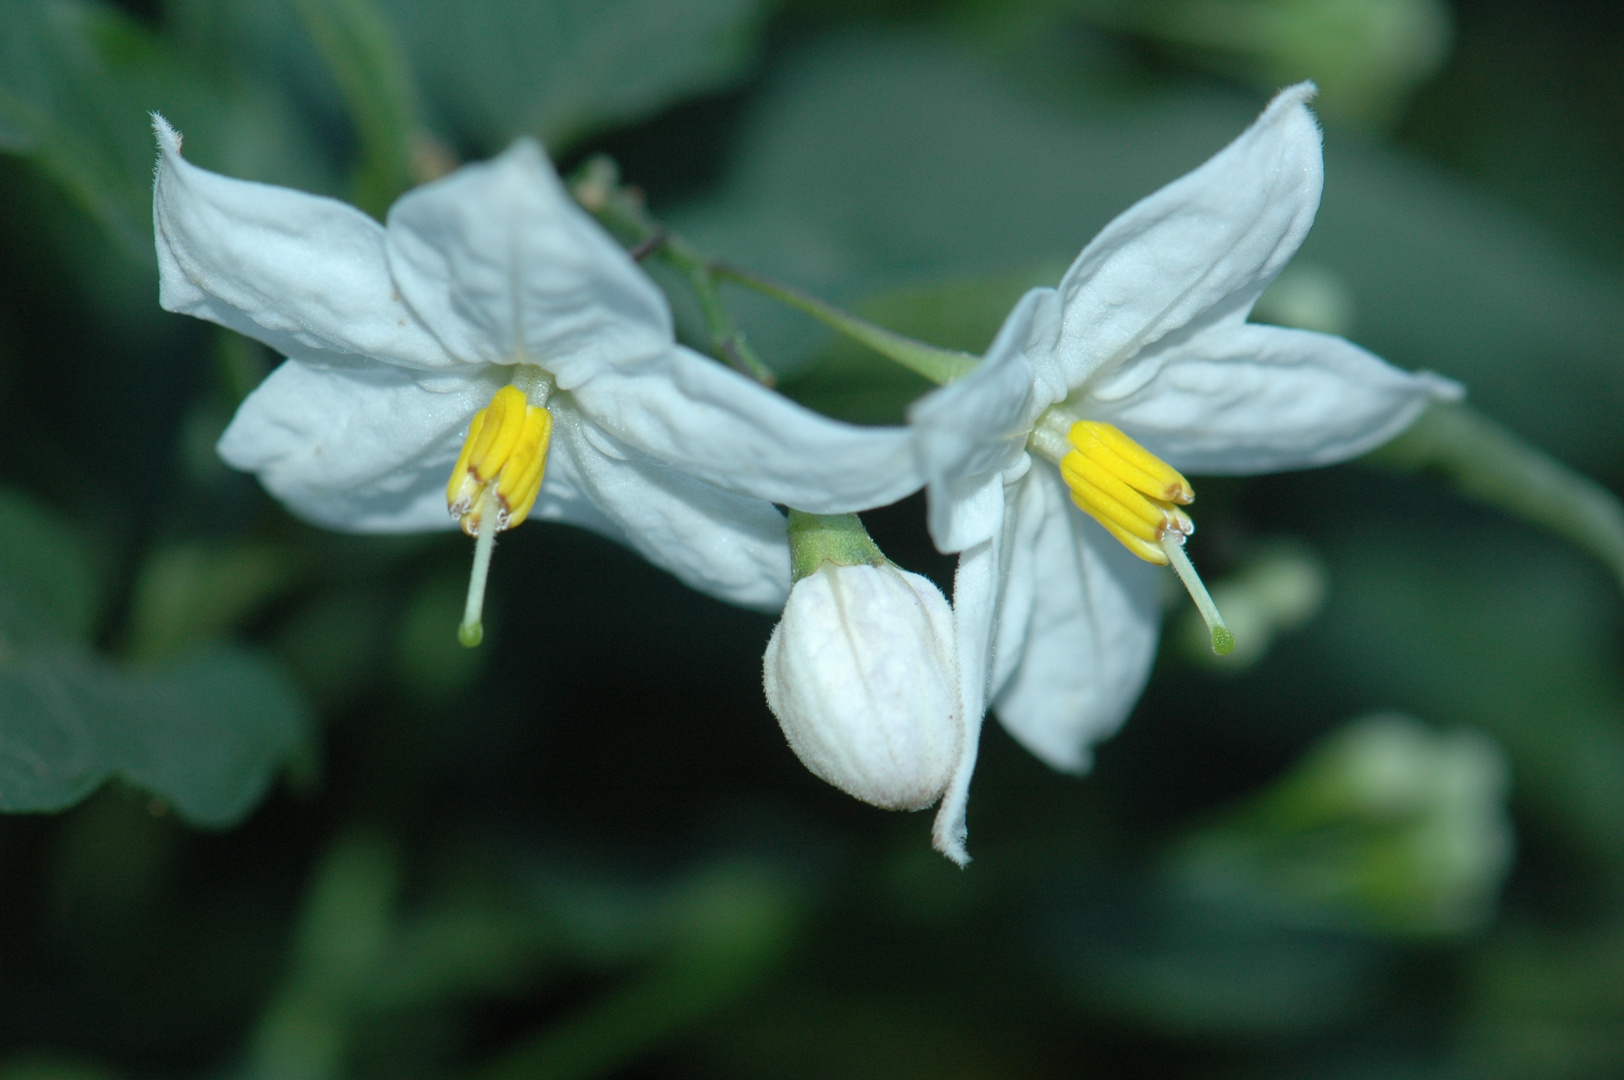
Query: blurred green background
x=271 y=822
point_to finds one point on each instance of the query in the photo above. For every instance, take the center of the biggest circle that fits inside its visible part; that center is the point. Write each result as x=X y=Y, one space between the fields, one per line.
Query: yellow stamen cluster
x=502 y=462
x=1127 y=489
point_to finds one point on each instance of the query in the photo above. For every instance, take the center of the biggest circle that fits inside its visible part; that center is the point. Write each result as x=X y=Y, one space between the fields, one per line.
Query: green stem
x=727 y=340
x=597 y=187
x=938 y=365
x=1495 y=466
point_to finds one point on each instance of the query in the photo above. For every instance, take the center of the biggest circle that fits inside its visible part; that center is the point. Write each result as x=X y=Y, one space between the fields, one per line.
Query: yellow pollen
x=497 y=478
x=505 y=458
x=1127 y=489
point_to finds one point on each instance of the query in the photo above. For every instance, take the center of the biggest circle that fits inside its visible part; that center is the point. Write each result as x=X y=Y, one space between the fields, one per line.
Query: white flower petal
x=1006 y=637
x=1251 y=399
x=1077 y=630
x=358 y=445
x=504 y=267
x=729 y=546
x=304 y=274
x=1201 y=247
x=970 y=436
x=713 y=423
x=975 y=603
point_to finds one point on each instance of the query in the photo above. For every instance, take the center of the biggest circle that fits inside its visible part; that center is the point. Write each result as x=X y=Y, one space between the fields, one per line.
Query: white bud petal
x=862 y=676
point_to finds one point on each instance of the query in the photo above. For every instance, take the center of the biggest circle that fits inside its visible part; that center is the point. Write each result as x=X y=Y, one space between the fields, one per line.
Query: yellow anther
x=1139 y=467
x=498 y=476
x=518 y=488
x=1126 y=488
x=1133 y=493
x=505 y=457
x=1147 y=551
x=463 y=490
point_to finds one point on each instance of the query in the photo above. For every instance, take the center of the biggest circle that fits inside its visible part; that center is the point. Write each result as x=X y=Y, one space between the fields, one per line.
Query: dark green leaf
x=732 y=926
x=66 y=72
x=557 y=69
x=206 y=735
x=47 y=589
x=78 y=79
x=48 y=1068
x=1189 y=964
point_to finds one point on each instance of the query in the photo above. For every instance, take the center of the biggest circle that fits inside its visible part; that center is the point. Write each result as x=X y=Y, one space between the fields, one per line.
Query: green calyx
x=815 y=539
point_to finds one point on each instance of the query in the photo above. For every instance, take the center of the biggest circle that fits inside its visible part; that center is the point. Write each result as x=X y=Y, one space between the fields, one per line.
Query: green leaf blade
x=207 y=736
x=558 y=69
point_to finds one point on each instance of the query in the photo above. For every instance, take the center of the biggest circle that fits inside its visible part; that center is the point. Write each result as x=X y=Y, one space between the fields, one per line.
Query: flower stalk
x=939 y=365
x=1487 y=462
x=598 y=189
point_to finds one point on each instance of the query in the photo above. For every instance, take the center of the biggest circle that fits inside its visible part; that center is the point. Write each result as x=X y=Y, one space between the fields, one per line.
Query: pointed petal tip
x=1296 y=94
x=1440 y=388
x=526 y=164
x=948 y=831
x=168 y=138
x=953 y=848
x=1290 y=106
x=1293 y=99
x=524 y=148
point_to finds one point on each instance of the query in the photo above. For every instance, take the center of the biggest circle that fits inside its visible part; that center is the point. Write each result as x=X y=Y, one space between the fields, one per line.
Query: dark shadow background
x=585 y=850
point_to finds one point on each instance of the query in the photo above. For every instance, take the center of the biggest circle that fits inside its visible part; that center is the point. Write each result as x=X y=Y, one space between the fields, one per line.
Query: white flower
x=397 y=336
x=1146 y=336
x=862 y=676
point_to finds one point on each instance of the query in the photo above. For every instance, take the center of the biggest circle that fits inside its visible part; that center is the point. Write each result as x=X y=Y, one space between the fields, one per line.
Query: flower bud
x=862 y=676
x=1387 y=825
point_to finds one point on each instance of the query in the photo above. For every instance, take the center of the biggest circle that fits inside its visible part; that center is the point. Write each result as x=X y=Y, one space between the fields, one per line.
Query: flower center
x=498 y=476
x=1133 y=493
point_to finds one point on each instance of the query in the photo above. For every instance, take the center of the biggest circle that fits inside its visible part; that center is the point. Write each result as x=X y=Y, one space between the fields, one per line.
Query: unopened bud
x=1387 y=824
x=861 y=673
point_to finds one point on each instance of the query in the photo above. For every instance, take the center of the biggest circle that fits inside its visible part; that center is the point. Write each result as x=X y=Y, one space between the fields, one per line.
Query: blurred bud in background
x=861 y=671
x=1278 y=590
x=1387 y=826
x=1366 y=55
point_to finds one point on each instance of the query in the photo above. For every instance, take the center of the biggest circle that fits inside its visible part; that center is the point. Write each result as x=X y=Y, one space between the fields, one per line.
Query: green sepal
x=815 y=539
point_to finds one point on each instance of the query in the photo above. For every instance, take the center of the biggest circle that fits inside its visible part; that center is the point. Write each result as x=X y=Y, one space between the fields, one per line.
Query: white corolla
x=1139 y=365
x=494 y=351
